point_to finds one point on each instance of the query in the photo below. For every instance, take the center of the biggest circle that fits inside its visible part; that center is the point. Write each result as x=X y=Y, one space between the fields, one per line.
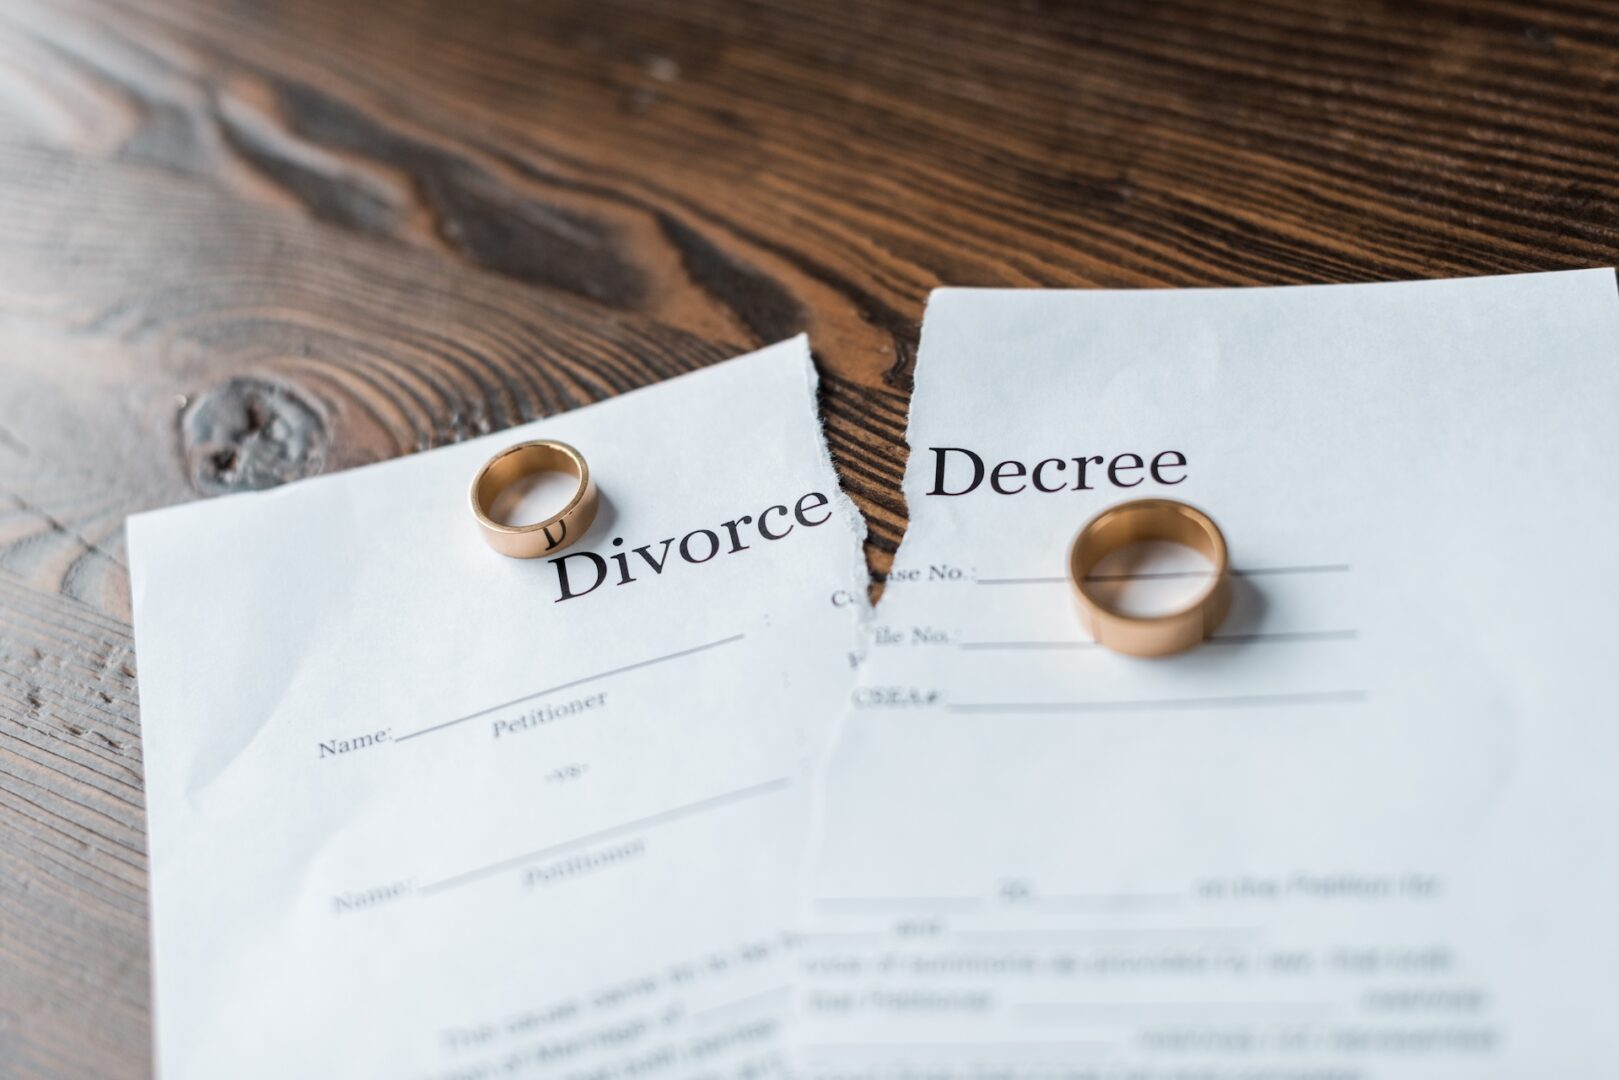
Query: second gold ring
x=1151 y=519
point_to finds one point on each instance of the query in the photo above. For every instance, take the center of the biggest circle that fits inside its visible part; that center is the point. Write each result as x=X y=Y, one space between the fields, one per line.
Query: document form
x=1367 y=830
x=419 y=810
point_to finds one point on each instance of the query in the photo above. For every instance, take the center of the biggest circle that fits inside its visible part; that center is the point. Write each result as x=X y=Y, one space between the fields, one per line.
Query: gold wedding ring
x=1151 y=519
x=542 y=537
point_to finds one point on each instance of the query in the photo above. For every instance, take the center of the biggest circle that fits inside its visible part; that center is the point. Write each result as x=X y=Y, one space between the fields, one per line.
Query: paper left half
x=419 y=810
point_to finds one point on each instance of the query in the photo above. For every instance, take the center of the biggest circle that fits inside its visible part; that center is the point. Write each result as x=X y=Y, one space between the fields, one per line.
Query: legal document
x=419 y=810
x=1367 y=830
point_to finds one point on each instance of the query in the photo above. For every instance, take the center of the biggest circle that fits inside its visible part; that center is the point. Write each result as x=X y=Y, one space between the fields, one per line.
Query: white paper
x=413 y=815
x=1369 y=833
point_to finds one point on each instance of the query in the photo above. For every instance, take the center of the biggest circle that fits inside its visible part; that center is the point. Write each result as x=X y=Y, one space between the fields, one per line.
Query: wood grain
x=252 y=241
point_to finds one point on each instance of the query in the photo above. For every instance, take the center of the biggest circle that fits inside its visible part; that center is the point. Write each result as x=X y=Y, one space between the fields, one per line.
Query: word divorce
x=590 y=571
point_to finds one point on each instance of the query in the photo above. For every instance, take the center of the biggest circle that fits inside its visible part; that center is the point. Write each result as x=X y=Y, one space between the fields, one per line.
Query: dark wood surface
x=249 y=241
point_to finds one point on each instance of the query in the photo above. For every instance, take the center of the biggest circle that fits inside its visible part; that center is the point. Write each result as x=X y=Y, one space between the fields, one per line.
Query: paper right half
x=1366 y=832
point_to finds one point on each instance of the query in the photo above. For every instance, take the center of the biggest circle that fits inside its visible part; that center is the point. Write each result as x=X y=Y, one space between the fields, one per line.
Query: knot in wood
x=248 y=434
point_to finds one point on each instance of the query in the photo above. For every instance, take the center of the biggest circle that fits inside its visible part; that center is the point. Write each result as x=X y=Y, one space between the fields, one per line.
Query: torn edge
x=918 y=373
x=859 y=581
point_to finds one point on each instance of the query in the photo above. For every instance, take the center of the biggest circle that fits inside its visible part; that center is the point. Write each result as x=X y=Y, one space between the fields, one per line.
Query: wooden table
x=247 y=242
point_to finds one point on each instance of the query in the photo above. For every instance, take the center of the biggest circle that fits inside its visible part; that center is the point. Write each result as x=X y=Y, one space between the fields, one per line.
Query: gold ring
x=1151 y=519
x=542 y=537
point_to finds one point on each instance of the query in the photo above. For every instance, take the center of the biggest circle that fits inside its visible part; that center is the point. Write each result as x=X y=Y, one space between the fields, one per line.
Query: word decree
x=959 y=471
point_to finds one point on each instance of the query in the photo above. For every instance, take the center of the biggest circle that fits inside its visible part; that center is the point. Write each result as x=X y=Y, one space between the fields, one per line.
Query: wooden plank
x=247 y=243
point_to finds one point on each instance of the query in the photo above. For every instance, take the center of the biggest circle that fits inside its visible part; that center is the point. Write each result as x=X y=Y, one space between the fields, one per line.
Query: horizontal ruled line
x=1066 y=1009
x=1235 y=701
x=1153 y=575
x=663 y=817
x=1111 y=900
x=569 y=685
x=973 y=1047
x=1106 y=933
x=971 y=903
x=1282 y=637
x=1278 y=637
x=978 y=903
